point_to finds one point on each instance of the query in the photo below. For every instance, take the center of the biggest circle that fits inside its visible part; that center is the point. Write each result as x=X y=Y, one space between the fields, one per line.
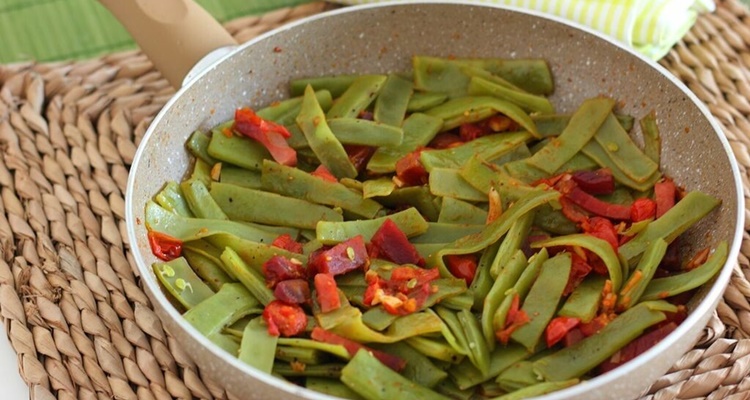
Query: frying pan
x=382 y=38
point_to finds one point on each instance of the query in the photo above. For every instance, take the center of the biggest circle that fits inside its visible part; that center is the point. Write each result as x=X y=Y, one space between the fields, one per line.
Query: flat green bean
x=553 y=124
x=455 y=211
x=197 y=144
x=410 y=221
x=480 y=86
x=206 y=268
x=506 y=278
x=365 y=133
x=482 y=282
x=329 y=370
x=538 y=390
x=172 y=200
x=478 y=351
x=487 y=148
x=250 y=277
x=640 y=279
x=222 y=309
x=181 y=282
x=421 y=101
x=200 y=201
x=434 y=348
x=651 y=137
x=454 y=112
x=240 y=177
x=418 y=130
x=512 y=242
x=284 y=112
x=596 y=152
x=447 y=182
x=624 y=152
x=518 y=376
x=336 y=85
x=240 y=151
x=253 y=253
x=331 y=387
x=418 y=197
x=357 y=97
x=418 y=367
x=393 y=100
x=584 y=302
x=258 y=347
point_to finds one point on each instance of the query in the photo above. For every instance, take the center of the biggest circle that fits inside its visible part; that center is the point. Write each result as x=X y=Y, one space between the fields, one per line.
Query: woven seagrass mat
x=70 y=301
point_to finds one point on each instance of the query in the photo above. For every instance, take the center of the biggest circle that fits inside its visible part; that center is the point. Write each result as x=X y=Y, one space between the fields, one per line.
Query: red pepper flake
x=163 y=246
x=277 y=49
x=284 y=319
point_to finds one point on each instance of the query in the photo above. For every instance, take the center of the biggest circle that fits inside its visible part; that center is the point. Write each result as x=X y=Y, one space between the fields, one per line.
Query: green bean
x=487 y=148
x=418 y=367
x=506 y=278
x=434 y=348
x=418 y=130
x=480 y=86
x=200 y=201
x=252 y=205
x=374 y=381
x=483 y=281
x=692 y=208
x=640 y=279
x=201 y=172
x=512 y=242
x=181 y=282
x=250 y=277
x=553 y=124
x=421 y=101
x=336 y=85
x=240 y=151
x=579 y=358
x=426 y=250
x=284 y=112
x=651 y=137
x=258 y=346
x=541 y=302
x=466 y=375
x=665 y=287
x=520 y=288
x=518 y=376
x=463 y=301
x=418 y=197
x=410 y=221
x=478 y=352
x=379 y=187
x=302 y=355
x=584 y=302
x=222 y=309
x=448 y=388
x=186 y=229
x=391 y=104
x=455 y=211
x=240 y=177
x=624 y=152
x=493 y=231
x=357 y=97
x=523 y=171
x=292 y=182
x=253 y=253
x=447 y=182
x=597 y=153
x=483 y=176
x=552 y=220
x=454 y=112
x=331 y=387
x=331 y=370
x=327 y=148
x=365 y=133
x=172 y=200
x=583 y=125
x=452 y=329
x=538 y=389
x=206 y=268
x=333 y=349
x=197 y=144
x=598 y=246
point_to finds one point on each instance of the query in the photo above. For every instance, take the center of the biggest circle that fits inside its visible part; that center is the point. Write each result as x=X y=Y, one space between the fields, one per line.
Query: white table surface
x=12 y=387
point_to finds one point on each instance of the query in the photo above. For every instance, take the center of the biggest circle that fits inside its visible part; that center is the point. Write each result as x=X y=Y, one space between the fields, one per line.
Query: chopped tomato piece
x=558 y=328
x=405 y=279
x=579 y=270
x=595 y=182
x=595 y=325
x=284 y=319
x=404 y=292
x=572 y=337
x=462 y=266
x=270 y=134
x=390 y=243
x=280 y=268
x=367 y=115
x=445 y=140
x=410 y=171
x=598 y=207
x=287 y=242
x=637 y=347
x=359 y=155
x=470 y=131
x=341 y=258
x=326 y=292
x=292 y=291
x=642 y=209
x=393 y=362
x=602 y=228
x=572 y=211
x=163 y=246
x=323 y=173
x=515 y=319
x=665 y=193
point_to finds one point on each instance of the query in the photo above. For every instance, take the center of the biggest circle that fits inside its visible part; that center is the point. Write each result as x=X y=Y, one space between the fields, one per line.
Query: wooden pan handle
x=174 y=34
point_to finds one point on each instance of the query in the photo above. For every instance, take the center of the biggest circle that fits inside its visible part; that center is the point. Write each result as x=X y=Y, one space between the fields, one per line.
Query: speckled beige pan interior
x=383 y=39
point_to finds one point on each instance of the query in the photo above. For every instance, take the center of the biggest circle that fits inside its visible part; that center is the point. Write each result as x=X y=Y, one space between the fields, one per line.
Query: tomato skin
x=514 y=320
x=600 y=181
x=286 y=242
x=410 y=171
x=558 y=328
x=163 y=246
x=284 y=319
x=292 y=291
x=270 y=134
x=359 y=155
x=462 y=266
x=326 y=292
x=642 y=209
x=602 y=228
x=578 y=271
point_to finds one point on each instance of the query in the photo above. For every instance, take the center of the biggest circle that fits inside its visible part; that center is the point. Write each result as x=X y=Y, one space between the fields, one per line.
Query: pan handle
x=174 y=34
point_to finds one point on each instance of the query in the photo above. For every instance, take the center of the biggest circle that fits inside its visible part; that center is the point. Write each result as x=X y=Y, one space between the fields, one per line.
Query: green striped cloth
x=651 y=27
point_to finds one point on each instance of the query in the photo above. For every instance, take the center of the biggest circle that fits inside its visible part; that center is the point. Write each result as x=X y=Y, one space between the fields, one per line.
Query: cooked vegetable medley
x=439 y=234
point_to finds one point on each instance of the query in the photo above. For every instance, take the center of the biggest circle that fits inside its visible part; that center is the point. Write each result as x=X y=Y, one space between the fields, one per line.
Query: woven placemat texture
x=70 y=300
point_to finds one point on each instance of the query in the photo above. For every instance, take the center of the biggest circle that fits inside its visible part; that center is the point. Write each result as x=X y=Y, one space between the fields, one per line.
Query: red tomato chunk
x=327 y=292
x=341 y=258
x=558 y=328
x=462 y=266
x=163 y=246
x=293 y=291
x=288 y=243
x=284 y=319
x=280 y=268
x=595 y=182
x=270 y=134
x=390 y=243
x=410 y=171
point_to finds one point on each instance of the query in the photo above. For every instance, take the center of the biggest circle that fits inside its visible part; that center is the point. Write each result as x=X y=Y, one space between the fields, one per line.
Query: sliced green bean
x=374 y=381
x=551 y=219
x=466 y=375
x=293 y=182
x=692 y=208
x=512 y=242
x=253 y=206
x=181 y=282
x=480 y=86
x=206 y=268
x=250 y=277
x=453 y=111
x=330 y=370
x=410 y=221
x=171 y=198
x=418 y=130
x=302 y=355
x=331 y=387
x=597 y=153
x=583 y=125
x=365 y=133
x=505 y=280
x=240 y=151
x=200 y=201
x=665 y=287
x=421 y=101
x=418 y=367
x=258 y=347
x=197 y=145
x=447 y=182
x=483 y=281
x=640 y=279
x=541 y=302
x=651 y=137
x=487 y=148
x=379 y=187
x=435 y=348
x=518 y=376
x=455 y=211
x=452 y=330
x=333 y=349
x=624 y=152
x=393 y=100
x=598 y=246
x=284 y=112
x=553 y=124
x=201 y=172
x=478 y=351
x=575 y=360
x=538 y=390
x=327 y=148
x=222 y=309
x=253 y=253
x=336 y=85
x=418 y=197
x=240 y=177
x=357 y=97
x=584 y=302
x=448 y=388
